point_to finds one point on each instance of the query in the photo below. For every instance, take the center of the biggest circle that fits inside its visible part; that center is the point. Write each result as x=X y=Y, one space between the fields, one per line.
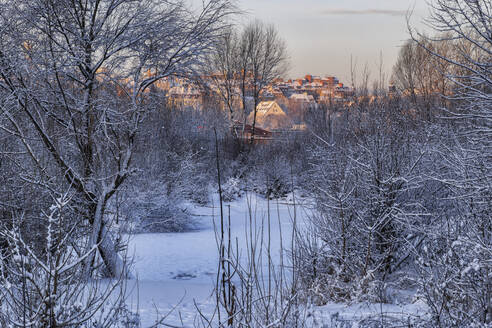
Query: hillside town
x=281 y=105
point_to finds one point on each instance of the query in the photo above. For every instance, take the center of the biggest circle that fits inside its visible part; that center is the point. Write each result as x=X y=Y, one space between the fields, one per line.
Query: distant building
x=330 y=81
x=184 y=96
x=299 y=104
x=342 y=92
x=299 y=127
x=288 y=101
x=303 y=97
x=270 y=116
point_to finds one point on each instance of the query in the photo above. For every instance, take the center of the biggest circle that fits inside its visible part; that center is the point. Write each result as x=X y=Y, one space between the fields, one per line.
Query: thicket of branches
x=403 y=196
x=90 y=148
x=75 y=91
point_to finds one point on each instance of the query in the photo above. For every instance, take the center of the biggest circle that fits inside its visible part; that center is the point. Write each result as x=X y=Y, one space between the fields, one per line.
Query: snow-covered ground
x=177 y=271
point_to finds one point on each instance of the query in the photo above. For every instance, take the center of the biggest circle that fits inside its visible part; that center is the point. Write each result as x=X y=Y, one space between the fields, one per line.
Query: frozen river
x=179 y=269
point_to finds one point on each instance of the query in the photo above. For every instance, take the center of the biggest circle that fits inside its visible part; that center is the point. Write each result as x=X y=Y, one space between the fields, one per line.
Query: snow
x=332 y=314
x=176 y=272
x=174 y=268
x=174 y=299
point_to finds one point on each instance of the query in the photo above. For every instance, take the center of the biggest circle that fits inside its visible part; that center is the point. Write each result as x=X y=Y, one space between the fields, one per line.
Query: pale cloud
x=365 y=12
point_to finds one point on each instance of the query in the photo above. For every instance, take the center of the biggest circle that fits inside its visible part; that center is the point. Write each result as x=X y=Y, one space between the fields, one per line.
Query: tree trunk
x=101 y=237
x=112 y=260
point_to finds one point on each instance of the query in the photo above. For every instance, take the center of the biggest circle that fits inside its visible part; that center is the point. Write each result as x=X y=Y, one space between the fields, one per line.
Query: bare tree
x=457 y=286
x=468 y=25
x=404 y=71
x=422 y=77
x=77 y=74
x=266 y=61
x=46 y=289
x=244 y=64
x=364 y=193
x=225 y=73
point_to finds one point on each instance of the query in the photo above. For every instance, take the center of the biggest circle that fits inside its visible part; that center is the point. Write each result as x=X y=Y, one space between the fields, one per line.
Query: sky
x=322 y=35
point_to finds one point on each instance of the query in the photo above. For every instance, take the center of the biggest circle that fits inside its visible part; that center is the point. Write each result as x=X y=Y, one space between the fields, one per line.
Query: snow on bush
x=232 y=189
x=156 y=212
